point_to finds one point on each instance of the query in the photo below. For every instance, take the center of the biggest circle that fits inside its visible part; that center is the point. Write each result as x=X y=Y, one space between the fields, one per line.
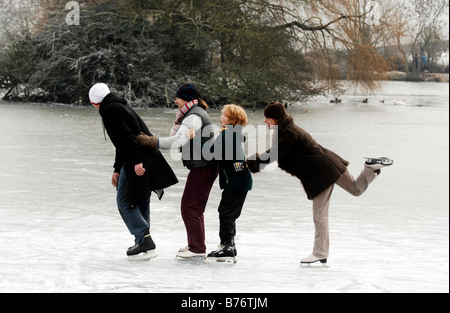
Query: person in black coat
x=138 y=171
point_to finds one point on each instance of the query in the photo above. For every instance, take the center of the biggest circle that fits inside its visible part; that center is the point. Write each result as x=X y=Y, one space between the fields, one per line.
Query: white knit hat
x=98 y=92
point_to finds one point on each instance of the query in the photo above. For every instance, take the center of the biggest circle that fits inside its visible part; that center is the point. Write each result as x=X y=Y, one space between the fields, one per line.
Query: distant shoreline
x=386 y=76
x=421 y=77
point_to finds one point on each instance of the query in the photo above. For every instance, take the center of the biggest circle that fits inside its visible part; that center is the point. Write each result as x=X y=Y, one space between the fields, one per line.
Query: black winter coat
x=123 y=124
x=301 y=156
x=233 y=171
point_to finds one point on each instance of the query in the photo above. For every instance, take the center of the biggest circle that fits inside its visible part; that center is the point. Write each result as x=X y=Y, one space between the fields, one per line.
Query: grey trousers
x=321 y=205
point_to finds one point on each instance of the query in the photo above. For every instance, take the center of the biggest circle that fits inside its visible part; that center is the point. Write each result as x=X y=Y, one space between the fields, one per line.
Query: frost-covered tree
x=243 y=51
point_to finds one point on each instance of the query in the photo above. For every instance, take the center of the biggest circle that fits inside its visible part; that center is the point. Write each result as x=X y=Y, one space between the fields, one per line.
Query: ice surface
x=60 y=230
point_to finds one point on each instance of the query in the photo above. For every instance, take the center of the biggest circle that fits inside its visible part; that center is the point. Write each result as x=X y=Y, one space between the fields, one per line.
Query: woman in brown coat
x=318 y=169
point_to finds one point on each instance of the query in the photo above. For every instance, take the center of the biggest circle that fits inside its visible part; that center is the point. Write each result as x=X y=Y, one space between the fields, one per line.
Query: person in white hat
x=138 y=170
x=97 y=93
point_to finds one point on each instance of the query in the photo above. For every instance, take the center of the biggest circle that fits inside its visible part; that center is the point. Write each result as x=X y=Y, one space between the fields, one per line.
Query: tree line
x=236 y=51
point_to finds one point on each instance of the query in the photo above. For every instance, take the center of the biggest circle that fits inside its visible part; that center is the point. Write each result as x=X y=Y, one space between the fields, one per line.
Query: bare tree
x=340 y=37
x=427 y=26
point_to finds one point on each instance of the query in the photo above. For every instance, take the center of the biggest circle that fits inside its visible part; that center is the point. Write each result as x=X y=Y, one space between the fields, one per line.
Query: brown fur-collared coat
x=301 y=156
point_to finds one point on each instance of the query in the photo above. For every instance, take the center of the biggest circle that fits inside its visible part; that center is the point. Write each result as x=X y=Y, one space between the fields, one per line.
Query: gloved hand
x=253 y=165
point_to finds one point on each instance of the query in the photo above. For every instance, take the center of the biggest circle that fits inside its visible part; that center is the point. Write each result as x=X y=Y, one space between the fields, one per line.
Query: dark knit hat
x=188 y=92
x=275 y=110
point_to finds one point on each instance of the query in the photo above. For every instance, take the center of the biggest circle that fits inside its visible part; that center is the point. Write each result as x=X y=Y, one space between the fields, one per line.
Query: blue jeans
x=136 y=219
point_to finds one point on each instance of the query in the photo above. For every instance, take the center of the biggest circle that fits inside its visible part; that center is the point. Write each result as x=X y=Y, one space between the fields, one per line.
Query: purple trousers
x=193 y=203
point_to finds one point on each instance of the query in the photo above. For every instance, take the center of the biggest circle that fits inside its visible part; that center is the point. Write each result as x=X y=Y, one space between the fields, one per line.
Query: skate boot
x=185 y=253
x=223 y=254
x=143 y=251
x=312 y=259
x=184 y=249
x=375 y=164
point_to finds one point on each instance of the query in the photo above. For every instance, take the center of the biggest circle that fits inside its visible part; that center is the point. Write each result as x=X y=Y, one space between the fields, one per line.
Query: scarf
x=180 y=115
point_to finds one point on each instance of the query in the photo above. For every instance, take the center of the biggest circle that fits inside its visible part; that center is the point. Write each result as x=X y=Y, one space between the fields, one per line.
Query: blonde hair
x=236 y=115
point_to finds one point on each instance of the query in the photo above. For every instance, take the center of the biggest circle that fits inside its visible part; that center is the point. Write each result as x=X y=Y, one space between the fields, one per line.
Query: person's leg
x=359 y=186
x=230 y=209
x=193 y=203
x=146 y=244
x=144 y=207
x=321 y=205
x=136 y=223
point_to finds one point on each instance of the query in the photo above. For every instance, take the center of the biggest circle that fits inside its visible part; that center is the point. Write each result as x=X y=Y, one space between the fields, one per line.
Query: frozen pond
x=60 y=230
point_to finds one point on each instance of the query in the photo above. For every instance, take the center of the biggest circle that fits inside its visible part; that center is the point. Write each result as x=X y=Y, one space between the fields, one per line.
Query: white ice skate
x=183 y=249
x=311 y=260
x=185 y=253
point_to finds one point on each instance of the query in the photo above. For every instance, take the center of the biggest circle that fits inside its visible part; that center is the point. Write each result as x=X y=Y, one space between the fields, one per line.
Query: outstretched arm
x=187 y=131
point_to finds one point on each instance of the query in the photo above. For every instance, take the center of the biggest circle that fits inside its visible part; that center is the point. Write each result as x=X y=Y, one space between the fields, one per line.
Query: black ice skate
x=143 y=251
x=223 y=254
x=375 y=164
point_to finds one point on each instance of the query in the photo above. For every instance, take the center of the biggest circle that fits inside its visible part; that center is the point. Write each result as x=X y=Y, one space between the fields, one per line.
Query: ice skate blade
x=224 y=260
x=191 y=260
x=144 y=256
x=318 y=263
